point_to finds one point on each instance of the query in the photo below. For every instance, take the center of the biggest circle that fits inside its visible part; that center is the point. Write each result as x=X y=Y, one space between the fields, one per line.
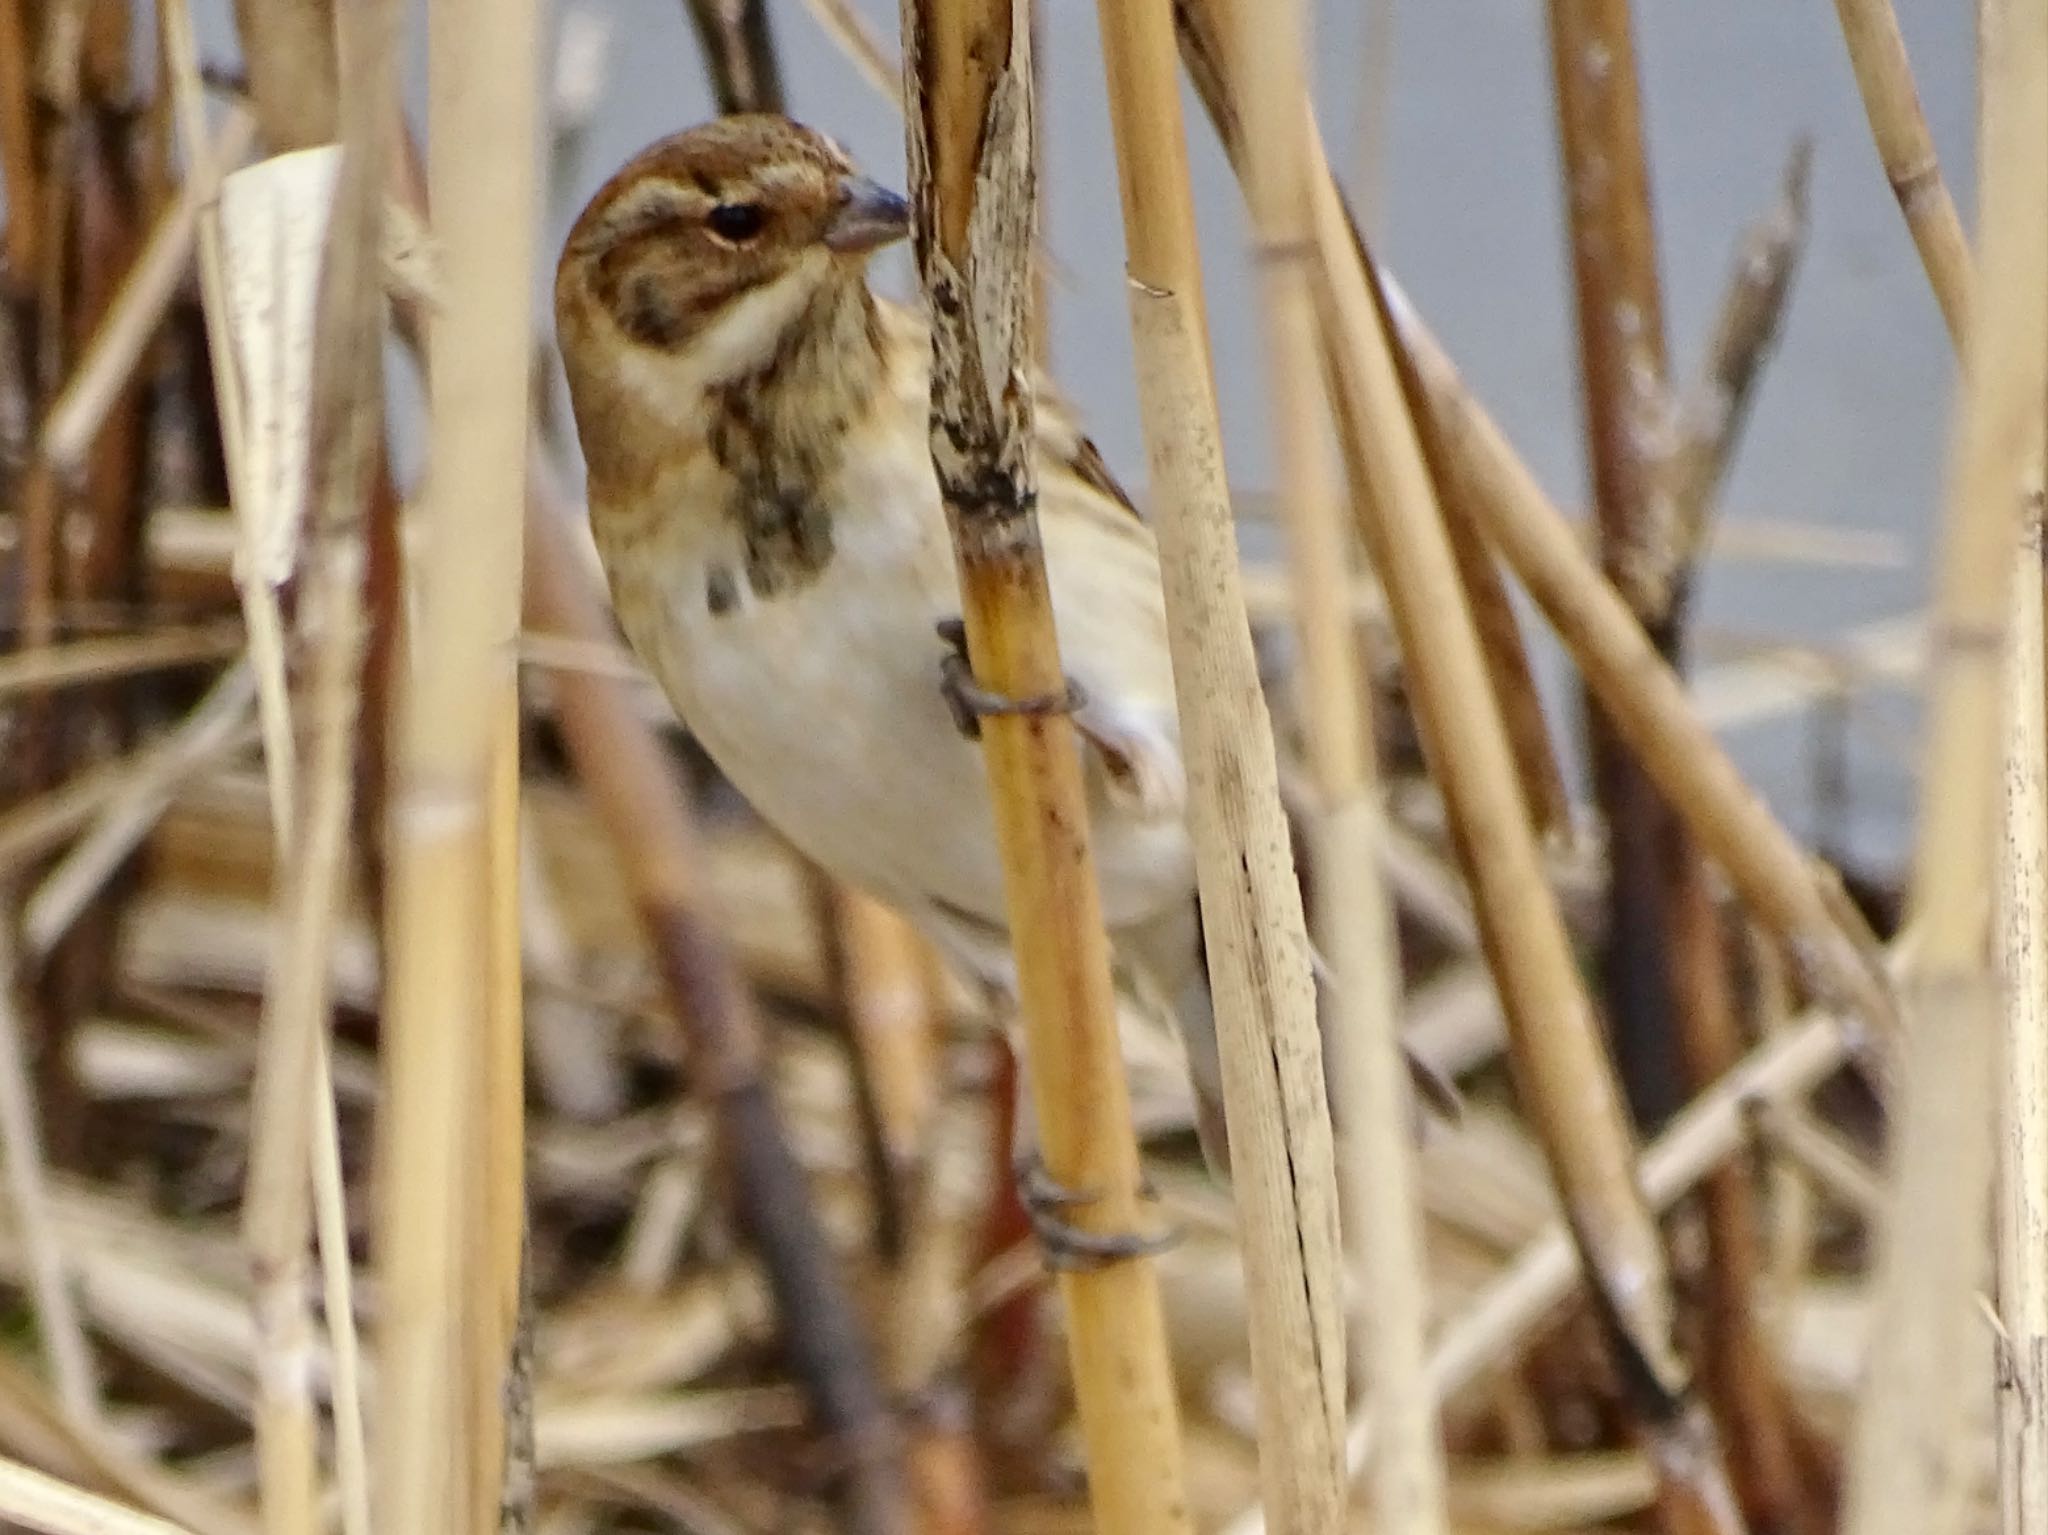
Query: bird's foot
x=1066 y=1245
x=971 y=703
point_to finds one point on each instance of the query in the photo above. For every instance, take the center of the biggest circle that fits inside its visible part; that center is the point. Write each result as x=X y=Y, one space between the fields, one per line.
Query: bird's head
x=690 y=266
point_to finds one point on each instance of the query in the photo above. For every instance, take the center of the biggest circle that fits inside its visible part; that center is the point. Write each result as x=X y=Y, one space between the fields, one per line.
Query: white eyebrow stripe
x=653 y=201
x=769 y=178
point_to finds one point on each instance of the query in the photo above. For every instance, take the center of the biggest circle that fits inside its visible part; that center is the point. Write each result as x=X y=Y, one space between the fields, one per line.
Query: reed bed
x=431 y=1100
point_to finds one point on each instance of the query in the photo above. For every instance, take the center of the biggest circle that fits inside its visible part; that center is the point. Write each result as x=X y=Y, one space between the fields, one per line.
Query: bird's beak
x=869 y=216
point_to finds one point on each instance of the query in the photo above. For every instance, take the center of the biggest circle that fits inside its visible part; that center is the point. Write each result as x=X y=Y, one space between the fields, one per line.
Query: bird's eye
x=737 y=222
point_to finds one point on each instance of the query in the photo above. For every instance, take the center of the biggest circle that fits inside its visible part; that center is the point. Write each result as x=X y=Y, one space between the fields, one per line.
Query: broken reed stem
x=1908 y=1453
x=1354 y=923
x=1507 y=660
x=1275 y=1094
x=1716 y=405
x=1798 y=897
x=1884 y=76
x=968 y=110
x=2022 y=1077
x=451 y=1231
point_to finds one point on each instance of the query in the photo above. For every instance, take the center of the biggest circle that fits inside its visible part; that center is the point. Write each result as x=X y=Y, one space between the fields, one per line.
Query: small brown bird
x=754 y=423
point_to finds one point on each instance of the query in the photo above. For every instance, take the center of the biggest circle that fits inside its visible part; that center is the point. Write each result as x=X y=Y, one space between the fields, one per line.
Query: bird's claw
x=970 y=703
x=1067 y=1246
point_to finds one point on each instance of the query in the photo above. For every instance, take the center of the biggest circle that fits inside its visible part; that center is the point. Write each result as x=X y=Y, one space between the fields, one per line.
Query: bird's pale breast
x=822 y=703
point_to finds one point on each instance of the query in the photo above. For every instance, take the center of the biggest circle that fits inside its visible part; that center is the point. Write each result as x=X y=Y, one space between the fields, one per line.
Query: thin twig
x=73 y=663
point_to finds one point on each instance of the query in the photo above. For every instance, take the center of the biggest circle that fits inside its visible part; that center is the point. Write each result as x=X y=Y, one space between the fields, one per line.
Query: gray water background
x=1850 y=421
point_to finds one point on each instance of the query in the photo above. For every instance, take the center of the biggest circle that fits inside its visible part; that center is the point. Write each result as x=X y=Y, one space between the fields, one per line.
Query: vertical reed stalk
x=967 y=86
x=1884 y=75
x=1908 y=1452
x=1631 y=437
x=1354 y=920
x=1274 y=1089
x=450 y=1228
x=1666 y=980
x=2023 y=1063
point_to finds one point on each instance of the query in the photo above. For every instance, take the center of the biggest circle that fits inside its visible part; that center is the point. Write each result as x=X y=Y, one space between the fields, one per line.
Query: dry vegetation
x=429 y=1101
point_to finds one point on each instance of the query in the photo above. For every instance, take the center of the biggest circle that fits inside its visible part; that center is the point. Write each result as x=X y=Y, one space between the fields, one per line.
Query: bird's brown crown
x=707 y=216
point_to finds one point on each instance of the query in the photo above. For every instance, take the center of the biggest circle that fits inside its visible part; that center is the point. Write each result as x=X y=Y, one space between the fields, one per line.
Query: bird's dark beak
x=868 y=217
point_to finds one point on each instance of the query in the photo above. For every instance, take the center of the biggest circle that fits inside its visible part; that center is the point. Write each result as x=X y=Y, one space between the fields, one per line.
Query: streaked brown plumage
x=754 y=422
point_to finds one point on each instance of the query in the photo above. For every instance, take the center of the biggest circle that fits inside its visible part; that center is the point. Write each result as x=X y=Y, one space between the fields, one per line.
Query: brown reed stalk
x=1737 y=1368
x=18 y=160
x=968 y=109
x=451 y=1227
x=1884 y=76
x=2022 y=1210
x=1666 y=961
x=1274 y=1087
x=1908 y=1452
x=1631 y=440
x=1800 y=899
x=1354 y=917
x=289 y=48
